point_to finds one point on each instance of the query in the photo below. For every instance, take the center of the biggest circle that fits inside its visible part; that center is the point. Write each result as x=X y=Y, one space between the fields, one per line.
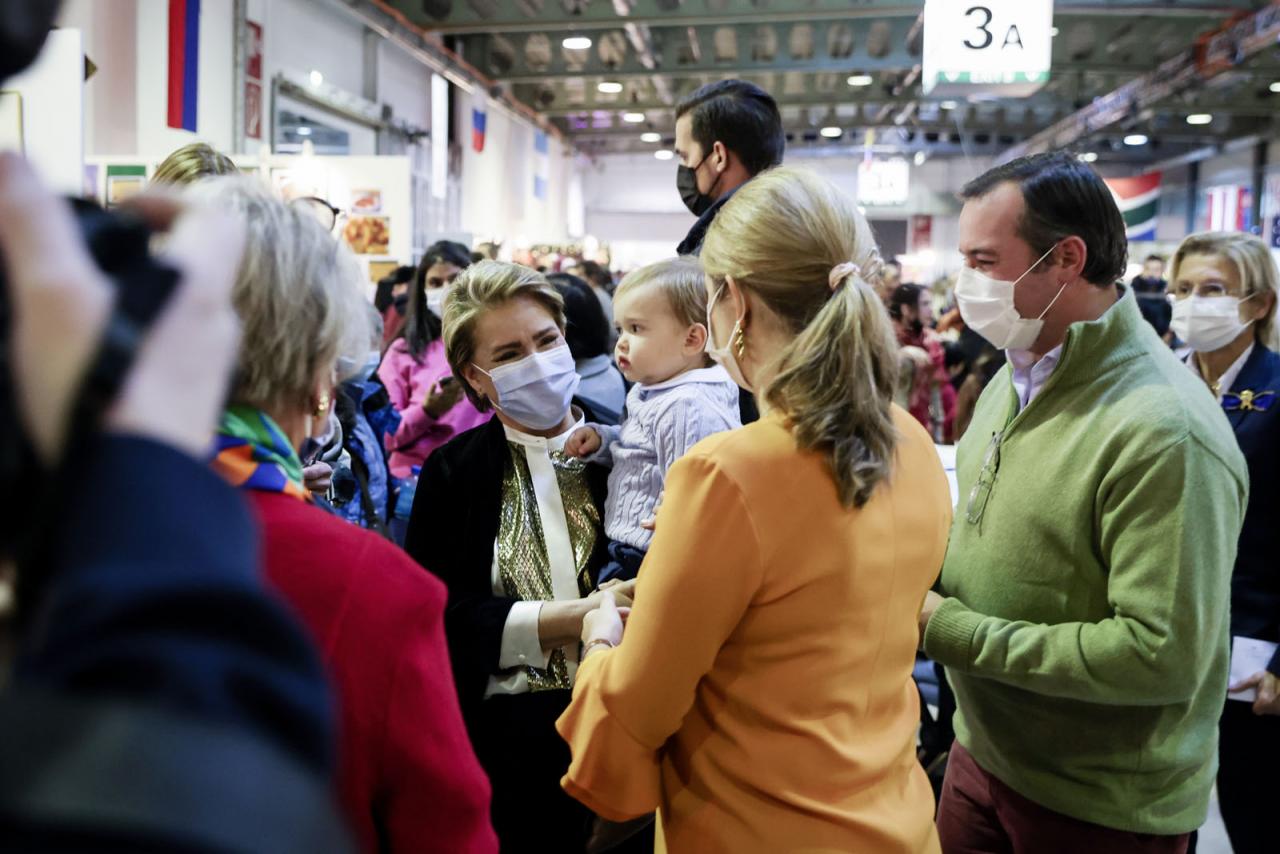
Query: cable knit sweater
x=663 y=422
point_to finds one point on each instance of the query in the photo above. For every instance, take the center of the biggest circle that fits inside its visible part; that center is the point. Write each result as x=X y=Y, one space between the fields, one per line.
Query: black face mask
x=687 y=183
x=401 y=303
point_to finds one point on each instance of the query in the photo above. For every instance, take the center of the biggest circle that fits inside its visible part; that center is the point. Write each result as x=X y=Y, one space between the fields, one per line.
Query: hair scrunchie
x=840 y=272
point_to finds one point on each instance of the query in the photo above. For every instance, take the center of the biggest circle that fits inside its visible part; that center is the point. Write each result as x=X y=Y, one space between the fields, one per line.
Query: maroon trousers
x=978 y=814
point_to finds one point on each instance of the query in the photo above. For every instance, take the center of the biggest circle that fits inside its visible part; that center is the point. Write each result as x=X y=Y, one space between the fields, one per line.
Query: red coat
x=407 y=774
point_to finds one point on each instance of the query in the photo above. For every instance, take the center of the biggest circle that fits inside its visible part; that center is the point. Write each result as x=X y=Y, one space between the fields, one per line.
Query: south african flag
x=1139 y=201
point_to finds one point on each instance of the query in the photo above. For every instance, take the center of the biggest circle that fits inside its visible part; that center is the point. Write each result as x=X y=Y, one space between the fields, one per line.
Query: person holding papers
x=1225 y=287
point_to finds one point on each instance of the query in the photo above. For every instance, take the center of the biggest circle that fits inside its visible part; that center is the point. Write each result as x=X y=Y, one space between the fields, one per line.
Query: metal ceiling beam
x=600 y=15
x=898 y=60
x=1227 y=49
x=463 y=18
x=810 y=101
x=666 y=43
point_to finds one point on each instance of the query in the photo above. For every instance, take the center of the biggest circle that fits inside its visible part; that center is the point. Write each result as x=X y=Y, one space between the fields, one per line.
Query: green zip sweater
x=1085 y=630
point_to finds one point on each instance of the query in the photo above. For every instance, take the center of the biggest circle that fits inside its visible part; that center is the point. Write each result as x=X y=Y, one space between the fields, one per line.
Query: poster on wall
x=379 y=270
x=253 y=109
x=11 y=134
x=124 y=182
x=253 y=80
x=368 y=235
x=1139 y=202
x=366 y=201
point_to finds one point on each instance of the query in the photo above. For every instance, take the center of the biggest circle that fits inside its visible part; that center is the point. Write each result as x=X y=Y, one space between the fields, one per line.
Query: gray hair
x=297 y=294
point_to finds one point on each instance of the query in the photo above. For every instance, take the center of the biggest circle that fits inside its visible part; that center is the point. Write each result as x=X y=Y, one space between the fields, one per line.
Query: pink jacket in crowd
x=408 y=382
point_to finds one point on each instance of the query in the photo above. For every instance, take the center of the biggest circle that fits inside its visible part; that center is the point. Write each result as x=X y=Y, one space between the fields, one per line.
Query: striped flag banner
x=1139 y=201
x=1228 y=208
x=542 y=150
x=184 y=62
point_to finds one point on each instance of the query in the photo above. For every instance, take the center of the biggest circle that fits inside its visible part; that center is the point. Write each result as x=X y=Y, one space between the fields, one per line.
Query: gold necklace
x=1214 y=385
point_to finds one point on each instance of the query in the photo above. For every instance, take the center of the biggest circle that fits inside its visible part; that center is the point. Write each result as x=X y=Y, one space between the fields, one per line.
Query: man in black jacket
x=726 y=133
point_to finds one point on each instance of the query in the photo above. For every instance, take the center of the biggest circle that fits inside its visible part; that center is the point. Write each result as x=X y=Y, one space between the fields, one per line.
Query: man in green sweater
x=1083 y=615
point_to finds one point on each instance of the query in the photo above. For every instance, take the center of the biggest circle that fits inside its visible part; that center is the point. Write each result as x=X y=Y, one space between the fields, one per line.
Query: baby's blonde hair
x=680 y=280
x=781 y=237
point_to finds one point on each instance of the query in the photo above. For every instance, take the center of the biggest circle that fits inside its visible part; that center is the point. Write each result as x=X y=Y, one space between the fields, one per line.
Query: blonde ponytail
x=780 y=237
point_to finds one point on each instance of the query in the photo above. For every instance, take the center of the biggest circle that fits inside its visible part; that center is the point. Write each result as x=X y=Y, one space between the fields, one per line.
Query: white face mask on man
x=1208 y=323
x=986 y=304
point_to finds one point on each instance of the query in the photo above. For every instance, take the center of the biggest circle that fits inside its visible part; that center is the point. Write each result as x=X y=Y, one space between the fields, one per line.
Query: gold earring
x=740 y=343
x=323 y=406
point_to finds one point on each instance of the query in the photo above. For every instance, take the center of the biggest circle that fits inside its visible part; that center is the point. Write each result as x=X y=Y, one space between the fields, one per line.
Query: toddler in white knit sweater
x=679 y=398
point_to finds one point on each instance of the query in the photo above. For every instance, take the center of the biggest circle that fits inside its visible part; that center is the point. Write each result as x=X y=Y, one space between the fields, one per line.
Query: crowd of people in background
x=594 y=565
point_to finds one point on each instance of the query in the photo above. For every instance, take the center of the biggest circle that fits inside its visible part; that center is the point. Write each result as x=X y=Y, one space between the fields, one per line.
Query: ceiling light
x=1053 y=31
x=831 y=132
x=651 y=136
x=1275 y=87
x=1136 y=139
x=1089 y=157
x=1199 y=119
x=861 y=80
x=303 y=131
x=948 y=105
x=609 y=87
x=576 y=43
x=316 y=78
x=633 y=118
x=920 y=158
x=664 y=154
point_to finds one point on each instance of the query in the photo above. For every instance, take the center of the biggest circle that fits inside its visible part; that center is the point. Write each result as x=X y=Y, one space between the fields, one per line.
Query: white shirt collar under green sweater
x=1085 y=629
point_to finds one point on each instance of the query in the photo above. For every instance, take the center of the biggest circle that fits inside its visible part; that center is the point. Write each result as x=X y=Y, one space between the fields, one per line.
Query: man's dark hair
x=740 y=115
x=421 y=327
x=382 y=298
x=904 y=295
x=1150 y=258
x=1064 y=197
x=586 y=328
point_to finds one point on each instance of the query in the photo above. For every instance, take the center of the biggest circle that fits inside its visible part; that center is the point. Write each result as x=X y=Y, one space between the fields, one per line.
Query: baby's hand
x=583 y=443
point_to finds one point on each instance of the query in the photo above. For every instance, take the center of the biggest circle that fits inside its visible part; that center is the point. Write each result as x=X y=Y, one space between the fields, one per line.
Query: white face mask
x=986 y=304
x=1208 y=323
x=537 y=390
x=723 y=356
x=435 y=300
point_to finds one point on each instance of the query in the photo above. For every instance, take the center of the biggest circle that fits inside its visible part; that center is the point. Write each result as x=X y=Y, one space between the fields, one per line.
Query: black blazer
x=451 y=532
x=1255 y=584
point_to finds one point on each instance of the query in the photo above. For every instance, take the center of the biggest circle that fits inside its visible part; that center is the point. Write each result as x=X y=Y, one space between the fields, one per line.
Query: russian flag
x=184 y=62
x=478 y=121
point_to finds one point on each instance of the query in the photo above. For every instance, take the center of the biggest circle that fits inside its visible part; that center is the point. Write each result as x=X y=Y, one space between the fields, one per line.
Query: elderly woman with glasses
x=1225 y=291
x=408 y=778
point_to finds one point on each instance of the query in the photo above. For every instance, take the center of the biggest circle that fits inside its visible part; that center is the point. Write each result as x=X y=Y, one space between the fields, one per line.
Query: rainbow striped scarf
x=251 y=452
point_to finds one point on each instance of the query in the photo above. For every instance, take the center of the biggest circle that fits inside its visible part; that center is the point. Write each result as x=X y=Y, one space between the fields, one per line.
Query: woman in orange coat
x=762 y=699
